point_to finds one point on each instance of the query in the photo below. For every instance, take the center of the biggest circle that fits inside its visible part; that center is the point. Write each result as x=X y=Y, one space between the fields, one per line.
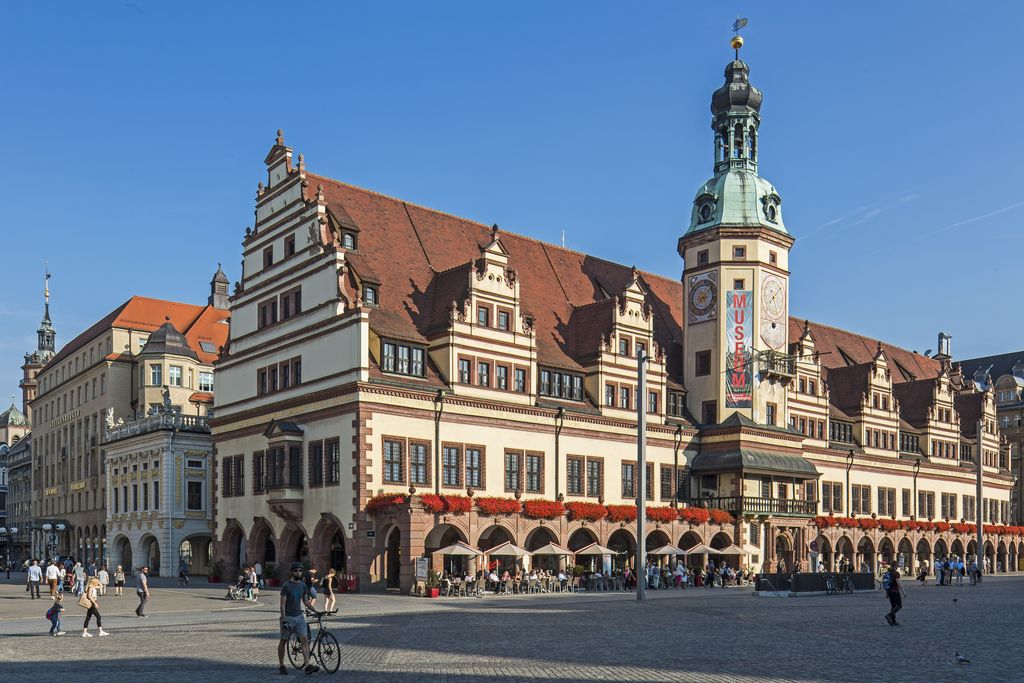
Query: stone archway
x=393 y=558
x=581 y=538
x=957 y=548
x=623 y=543
x=149 y=550
x=825 y=556
x=990 y=558
x=538 y=538
x=328 y=547
x=924 y=554
x=293 y=546
x=195 y=551
x=657 y=538
x=231 y=549
x=1001 y=558
x=941 y=550
x=1014 y=553
x=262 y=546
x=122 y=553
x=865 y=555
x=493 y=536
x=972 y=552
x=886 y=551
x=784 y=554
x=844 y=553
x=905 y=555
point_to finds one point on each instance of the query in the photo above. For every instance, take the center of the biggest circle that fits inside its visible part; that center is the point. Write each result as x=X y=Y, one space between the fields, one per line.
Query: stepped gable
x=416 y=252
x=839 y=348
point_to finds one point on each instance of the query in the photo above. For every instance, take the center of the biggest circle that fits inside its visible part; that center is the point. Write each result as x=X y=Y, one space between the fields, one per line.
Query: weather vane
x=737 y=40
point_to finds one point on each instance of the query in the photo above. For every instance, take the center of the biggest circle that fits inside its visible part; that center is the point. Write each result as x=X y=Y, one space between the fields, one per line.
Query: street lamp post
x=51 y=530
x=8 y=535
x=849 y=464
x=641 y=475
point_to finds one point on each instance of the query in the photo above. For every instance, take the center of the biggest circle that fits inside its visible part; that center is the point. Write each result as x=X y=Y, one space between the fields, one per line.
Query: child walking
x=53 y=614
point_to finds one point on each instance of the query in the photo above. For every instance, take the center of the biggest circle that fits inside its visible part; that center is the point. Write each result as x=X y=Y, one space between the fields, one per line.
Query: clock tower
x=736 y=272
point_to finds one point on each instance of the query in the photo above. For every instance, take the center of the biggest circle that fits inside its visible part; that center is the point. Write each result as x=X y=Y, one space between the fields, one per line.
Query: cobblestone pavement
x=694 y=635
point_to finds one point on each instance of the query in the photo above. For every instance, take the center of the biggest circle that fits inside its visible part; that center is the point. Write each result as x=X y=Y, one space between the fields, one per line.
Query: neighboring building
x=3 y=484
x=13 y=425
x=107 y=371
x=1006 y=374
x=159 y=507
x=19 y=497
x=379 y=347
x=46 y=344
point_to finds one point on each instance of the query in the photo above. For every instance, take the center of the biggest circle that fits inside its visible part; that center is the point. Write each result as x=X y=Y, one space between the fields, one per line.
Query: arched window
x=724 y=135
x=753 y=144
x=738 y=142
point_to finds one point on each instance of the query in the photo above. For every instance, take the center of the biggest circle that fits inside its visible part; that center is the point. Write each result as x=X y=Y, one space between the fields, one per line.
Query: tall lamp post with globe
x=8 y=535
x=51 y=541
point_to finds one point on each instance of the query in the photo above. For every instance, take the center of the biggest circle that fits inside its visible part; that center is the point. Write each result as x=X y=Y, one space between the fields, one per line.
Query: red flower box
x=888 y=524
x=543 y=509
x=457 y=505
x=662 y=514
x=622 y=513
x=384 y=500
x=942 y=526
x=961 y=528
x=696 y=516
x=498 y=506
x=926 y=526
x=824 y=522
x=432 y=502
x=847 y=522
x=720 y=517
x=590 y=512
x=867 y=523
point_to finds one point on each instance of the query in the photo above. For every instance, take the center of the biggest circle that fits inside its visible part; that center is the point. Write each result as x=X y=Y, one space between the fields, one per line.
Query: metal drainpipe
x=677 y=441
x=438 y=409
x=559 y=421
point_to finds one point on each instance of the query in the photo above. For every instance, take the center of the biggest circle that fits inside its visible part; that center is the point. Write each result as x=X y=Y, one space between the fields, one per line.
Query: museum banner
x=739 y=380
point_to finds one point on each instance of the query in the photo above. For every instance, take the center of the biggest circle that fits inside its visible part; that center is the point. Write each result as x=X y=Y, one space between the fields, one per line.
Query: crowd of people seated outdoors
x=515 y=580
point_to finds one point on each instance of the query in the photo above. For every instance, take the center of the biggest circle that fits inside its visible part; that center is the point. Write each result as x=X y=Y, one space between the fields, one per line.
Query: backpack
x=49 y=614
x=887 y=581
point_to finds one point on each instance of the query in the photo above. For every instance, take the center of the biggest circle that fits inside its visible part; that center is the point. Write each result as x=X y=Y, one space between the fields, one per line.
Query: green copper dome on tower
x=736 y=196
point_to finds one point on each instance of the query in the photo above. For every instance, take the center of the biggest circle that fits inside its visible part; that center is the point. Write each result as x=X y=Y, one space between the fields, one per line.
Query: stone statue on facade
x=167 y=400
x=110 y=417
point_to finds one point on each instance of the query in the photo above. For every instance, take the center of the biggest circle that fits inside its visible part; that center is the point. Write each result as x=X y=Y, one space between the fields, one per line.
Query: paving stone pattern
x=695 y=635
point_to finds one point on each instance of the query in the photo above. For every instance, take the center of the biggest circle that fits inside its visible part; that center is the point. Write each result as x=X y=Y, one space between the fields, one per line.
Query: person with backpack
x=53 y=614
x=894 y=591
x=90 y=600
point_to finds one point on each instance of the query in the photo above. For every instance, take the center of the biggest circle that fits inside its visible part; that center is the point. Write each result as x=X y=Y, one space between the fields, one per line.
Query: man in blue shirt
x=294 y=596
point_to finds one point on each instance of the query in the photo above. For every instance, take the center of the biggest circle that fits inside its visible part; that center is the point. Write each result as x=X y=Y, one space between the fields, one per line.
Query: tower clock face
x=703 y=300
x=773 y=311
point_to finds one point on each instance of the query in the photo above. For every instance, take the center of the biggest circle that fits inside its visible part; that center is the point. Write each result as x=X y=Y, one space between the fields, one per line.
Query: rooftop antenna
x=563 y=238
x=737 y=40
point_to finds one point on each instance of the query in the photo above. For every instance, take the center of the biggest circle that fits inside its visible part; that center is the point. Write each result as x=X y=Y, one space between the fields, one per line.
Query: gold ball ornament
x=736 y=42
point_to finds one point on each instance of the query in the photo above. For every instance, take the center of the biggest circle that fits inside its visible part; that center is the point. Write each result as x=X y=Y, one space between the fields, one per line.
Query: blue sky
x=134 y=134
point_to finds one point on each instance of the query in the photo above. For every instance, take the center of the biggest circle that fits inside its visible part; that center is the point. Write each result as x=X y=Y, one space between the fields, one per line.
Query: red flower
x=961 y=528
x=942 y=526
x=498 y=506
x=926 y=526
x=432 y=502
x=867 y=523
x=590 y=512
x=695 y=516
x=847 y=522
x=384 y=500
x=720 y=517
x=888 y=524
x=457 y=505
x=662 y=514
x=823 y=522
x=622 y=513
x=543 y=509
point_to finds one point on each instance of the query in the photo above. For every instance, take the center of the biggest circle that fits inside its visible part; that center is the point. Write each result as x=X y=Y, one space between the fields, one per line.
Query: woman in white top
x=91 y=590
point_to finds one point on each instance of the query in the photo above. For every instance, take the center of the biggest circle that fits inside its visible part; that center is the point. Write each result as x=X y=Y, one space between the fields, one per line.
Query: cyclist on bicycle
x=294 y=596
x=183 y=571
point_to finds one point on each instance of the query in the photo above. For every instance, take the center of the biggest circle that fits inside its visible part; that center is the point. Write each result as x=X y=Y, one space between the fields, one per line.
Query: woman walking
x=104 y=578
x=119 y=581
x=329 y=590
x=90 y=599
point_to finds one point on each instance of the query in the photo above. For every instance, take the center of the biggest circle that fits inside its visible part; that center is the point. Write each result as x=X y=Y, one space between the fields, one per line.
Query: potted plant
x=433 y=585
x=215 y=571
x=272 y=574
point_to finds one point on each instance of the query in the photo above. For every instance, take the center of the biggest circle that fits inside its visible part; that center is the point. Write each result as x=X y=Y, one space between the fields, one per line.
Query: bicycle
x=324 y=647
x=847 y=584
x=830 y=585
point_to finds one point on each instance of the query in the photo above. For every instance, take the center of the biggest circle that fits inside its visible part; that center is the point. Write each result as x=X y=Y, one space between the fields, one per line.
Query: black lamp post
x=849 y=464
x=438 y=410
x=8 y=535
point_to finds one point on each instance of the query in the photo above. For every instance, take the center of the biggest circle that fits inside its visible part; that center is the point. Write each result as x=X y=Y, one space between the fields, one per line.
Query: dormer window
x=370 y=297
x=402 y=359
x=558 y=384
x=483 y=316
x=348 y=240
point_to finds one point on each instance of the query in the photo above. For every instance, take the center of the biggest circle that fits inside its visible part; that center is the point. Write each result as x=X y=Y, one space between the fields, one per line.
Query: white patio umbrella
x=751 y=549
x=596 y=549
x=552 y=549
x=701 y=549
x=460 y=549
x=667 y=550
x=507 y=549
x=731 y=550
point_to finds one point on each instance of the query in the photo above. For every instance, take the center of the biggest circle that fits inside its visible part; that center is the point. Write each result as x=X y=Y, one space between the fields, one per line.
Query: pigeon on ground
x=960 y=659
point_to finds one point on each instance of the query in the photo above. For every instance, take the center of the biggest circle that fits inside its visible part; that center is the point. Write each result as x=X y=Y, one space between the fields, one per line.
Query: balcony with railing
x=152 y=423
x=777 y=365
x=755 y=505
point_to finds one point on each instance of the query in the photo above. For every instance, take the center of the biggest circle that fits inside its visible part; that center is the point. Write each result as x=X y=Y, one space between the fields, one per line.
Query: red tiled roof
x=915 y=398
x=197 y=323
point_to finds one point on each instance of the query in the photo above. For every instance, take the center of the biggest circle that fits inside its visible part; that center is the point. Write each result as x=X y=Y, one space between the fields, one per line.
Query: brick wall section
x=362 y=490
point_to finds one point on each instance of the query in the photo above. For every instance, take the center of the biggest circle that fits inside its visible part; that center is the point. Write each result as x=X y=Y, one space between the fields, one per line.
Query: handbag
x=84 y=601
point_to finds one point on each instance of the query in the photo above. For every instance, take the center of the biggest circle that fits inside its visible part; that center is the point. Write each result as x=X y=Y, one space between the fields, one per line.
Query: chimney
x=943 y=351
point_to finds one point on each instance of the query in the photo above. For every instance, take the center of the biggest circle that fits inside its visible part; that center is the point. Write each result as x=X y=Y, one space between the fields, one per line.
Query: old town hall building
x=398 y=379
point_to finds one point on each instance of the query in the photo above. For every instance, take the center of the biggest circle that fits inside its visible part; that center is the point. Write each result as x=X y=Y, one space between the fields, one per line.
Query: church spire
x=736 y=116
x=47 y=336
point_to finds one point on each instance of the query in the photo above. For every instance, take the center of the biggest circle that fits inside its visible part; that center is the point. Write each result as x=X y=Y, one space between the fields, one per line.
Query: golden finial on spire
x=46 y=284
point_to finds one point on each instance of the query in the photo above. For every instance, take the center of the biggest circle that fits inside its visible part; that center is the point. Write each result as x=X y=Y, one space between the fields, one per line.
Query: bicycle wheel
x=328 y=652
x=295 y=650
